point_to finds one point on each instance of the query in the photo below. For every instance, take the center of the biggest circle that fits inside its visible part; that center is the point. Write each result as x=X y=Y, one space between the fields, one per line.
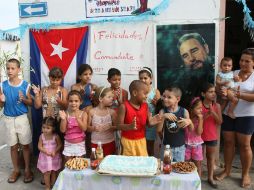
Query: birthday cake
x=128 y=165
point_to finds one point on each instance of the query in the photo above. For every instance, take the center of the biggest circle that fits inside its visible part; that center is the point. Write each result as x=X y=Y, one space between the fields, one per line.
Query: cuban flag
x=64 y=48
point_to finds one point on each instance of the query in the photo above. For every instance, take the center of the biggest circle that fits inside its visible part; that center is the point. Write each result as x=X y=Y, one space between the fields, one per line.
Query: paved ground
x=232 y=183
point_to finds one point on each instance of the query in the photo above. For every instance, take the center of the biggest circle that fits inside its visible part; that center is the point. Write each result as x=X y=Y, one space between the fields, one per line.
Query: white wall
x=8 y=46
x=178 y=12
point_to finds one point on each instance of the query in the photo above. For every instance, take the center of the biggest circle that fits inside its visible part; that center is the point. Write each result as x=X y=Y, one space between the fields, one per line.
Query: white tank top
x=243 y=107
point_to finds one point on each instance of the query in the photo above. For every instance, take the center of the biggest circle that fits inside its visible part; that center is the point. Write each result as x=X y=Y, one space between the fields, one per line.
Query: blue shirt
x=12 y=106
x=86 y=96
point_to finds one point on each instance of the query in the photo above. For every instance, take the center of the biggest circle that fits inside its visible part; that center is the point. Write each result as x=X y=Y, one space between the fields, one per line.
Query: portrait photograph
x=185 y=58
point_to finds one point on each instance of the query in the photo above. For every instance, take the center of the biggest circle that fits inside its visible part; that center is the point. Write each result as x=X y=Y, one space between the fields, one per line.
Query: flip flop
x=13 y=177
x=28 y=177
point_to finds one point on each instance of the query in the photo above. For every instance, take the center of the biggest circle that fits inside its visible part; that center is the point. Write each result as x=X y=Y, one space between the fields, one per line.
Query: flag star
x=58 y=49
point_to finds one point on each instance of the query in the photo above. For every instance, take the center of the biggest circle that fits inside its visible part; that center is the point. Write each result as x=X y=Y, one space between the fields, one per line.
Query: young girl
x=226 y=79
x=73 y=125
x=212 y=118
x=87 y=89
x=101 y=120
x=51 y=98
x=146 y=75
x=49 y=161
x=193 y=140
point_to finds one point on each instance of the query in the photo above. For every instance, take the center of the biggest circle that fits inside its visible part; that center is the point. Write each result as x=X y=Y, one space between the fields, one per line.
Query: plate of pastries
x=76 y=164
x=184 y=167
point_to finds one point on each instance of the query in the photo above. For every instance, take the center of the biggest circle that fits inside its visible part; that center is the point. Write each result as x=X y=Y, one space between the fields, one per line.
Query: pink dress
x=48 y=163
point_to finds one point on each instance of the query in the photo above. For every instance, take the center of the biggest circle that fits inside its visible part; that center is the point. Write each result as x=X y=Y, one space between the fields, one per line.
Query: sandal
x=13 y=177
x=28 y=177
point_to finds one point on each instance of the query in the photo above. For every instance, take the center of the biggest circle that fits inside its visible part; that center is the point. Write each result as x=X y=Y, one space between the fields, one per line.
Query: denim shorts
x=178 y=153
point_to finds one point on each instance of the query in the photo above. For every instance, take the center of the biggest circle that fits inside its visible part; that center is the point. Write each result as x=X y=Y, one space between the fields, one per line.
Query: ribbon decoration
x=247 y=20
x=45 y=26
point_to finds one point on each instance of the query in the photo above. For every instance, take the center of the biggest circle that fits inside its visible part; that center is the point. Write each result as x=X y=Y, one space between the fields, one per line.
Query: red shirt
x=141 y=118
x=209 y=126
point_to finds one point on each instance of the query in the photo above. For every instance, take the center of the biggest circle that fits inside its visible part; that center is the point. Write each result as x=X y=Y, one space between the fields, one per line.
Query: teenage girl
x=49 y=161
x=73 y=125
x=193 y=140
x=101 y=120
x=146 y=75
x=212 y=119
x=87 y=89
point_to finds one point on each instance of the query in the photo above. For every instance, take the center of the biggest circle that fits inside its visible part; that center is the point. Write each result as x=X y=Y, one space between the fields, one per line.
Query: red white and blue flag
x=64 y=48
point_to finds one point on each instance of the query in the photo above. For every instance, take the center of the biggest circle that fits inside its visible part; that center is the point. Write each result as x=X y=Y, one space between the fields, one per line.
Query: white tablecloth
x=88 y=179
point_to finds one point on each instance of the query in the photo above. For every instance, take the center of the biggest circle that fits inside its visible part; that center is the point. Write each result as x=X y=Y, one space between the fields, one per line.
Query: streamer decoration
x=247 y=20
x=45 y=26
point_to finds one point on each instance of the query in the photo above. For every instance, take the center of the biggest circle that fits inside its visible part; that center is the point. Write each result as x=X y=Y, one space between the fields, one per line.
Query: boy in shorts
x=15 y=98
x=133 y=115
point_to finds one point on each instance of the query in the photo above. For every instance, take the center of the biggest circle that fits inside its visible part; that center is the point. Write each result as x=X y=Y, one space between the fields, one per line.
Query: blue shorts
x=244 y=125
x=150 y=133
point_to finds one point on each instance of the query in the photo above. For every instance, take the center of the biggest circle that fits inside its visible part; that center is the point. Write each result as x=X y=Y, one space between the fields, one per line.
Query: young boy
x=133 y=115
x=175 y=119
x=15 y=97
x=120 y=96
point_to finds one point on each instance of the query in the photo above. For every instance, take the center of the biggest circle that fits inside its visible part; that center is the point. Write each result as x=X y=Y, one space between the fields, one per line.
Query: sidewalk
x=231 y=183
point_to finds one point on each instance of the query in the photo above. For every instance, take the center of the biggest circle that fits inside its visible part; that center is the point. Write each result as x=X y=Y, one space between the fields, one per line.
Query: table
x=88 y=179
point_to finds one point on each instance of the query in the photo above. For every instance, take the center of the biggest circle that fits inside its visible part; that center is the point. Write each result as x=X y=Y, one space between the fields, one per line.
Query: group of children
x=75 y=122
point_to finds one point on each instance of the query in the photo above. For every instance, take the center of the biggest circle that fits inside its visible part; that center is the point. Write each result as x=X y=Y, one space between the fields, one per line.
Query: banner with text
x=102 y=8
x=126 y=47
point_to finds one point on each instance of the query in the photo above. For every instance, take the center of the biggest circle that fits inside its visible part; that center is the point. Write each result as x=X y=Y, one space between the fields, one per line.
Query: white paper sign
x=108 y=8
x=127 y=47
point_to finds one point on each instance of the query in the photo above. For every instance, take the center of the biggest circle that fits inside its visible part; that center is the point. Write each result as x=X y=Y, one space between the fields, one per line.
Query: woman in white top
x=240 y=129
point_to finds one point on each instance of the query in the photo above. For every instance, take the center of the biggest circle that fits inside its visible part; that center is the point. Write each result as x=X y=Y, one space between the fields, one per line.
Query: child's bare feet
x=221 y=176
x=231 y=114
x=246 y=182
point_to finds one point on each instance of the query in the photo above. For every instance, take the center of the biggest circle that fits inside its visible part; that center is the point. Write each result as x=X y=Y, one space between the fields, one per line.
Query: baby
x=227 y=80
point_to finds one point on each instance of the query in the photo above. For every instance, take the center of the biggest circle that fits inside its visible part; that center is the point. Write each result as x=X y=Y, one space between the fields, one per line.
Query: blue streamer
x=248 y=21
x=45 y=26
